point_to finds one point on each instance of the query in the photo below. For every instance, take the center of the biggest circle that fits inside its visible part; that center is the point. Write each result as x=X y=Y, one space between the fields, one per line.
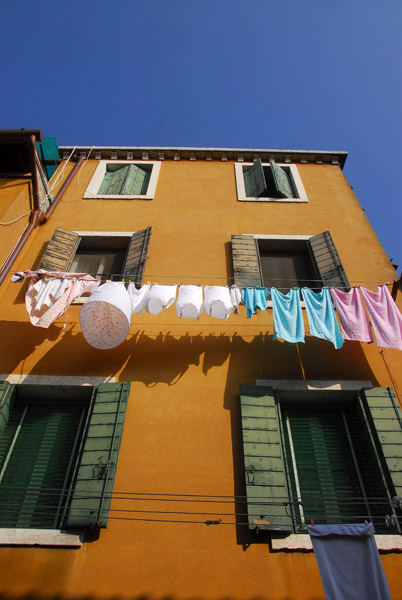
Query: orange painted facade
x=182 y=432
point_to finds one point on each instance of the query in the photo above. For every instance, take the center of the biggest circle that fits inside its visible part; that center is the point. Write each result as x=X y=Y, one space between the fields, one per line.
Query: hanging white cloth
x=218 y=302
x=105 y=317
x=48 y=295
x=160 y=297
x=138 y=298
x=189 y=301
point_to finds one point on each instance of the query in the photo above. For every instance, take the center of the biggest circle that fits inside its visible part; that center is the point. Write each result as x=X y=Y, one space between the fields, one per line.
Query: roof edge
x=198 y=153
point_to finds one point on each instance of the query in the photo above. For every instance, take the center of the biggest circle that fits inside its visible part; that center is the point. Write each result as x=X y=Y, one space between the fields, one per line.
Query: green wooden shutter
x=35 y=458
x=113 y=182
x=246 y=261
x=97 y=460
x=386 y=417
x=60 y=251
x=137 y=254
x=136 y=182
x=328 y=263
x=7 y=393
x=266 y=485
x=327 y=477
x=254 y=180
x=106 y=183
x=281 y=181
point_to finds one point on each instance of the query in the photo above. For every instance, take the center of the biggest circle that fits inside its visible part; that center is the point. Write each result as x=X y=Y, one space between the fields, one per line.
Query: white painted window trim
x=55 y=379
x=315 y=385
x=97 y=178
x=298 y=541
x=40 y=537
x=46 y=537
x=296 y=180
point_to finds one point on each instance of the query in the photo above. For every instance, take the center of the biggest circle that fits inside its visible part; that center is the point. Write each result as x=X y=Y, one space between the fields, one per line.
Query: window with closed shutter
x=332 y=461
x=58 y=454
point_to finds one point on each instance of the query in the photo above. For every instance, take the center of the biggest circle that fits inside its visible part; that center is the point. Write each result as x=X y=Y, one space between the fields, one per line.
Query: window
x=109 y=255
x=124 y=179
x=269 y=182
x=287 y=261
x=59 y=447
x=333 y=457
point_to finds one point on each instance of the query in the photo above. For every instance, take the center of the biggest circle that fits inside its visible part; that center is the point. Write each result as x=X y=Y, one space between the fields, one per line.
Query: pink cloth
x=47 y=298
x=385 y=317
x=352 y=316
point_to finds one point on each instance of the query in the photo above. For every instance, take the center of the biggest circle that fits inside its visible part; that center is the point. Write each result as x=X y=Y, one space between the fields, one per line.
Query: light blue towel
x=254 y=298
x=288 y=318
x=321 y=316
x=349 y=563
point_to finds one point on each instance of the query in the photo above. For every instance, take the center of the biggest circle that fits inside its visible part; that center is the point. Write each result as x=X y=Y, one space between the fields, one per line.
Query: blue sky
x=259 y=74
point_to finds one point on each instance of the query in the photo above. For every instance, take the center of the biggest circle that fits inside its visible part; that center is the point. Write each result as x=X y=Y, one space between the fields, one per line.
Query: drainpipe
x=37 y=214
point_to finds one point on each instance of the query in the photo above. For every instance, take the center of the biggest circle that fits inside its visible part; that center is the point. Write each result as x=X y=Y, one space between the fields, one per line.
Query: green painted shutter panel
x=106 y=183
x=35 y=460
x=328 y=481
x=386 y=417
x=7 y=392
x=246 y=261
x=327 y=261
x=136 y=182
x=113 y=181
x=254 y=180
x=137 y=254
x=266 y=484
x=97 y=460
x=60 y=251
x=281 y=180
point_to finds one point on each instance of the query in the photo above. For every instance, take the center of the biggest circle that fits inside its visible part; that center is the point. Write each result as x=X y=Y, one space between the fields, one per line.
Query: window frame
x=100 y=172
x=263 y=400
x=325 y=259
x=61 y=249
x=294 y=174
x=101 y=395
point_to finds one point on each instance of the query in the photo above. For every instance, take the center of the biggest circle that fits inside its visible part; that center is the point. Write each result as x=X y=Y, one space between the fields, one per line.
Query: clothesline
x=105 y=317
x=120 y=278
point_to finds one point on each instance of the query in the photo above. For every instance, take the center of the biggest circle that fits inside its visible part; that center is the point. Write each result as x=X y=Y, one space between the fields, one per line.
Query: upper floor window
x=124 y=179
x=269 y=182
x=106 y=255
x=286 y=261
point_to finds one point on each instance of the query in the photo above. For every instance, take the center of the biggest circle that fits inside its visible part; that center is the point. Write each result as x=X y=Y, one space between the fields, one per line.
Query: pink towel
x=354 y=322
x=385 y=317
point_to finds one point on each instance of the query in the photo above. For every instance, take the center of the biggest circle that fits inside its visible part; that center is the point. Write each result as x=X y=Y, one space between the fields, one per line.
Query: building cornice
x=208 y=154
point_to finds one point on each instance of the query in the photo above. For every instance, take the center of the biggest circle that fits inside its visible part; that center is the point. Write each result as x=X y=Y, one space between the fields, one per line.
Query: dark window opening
x=286 y=264
x=101 y=256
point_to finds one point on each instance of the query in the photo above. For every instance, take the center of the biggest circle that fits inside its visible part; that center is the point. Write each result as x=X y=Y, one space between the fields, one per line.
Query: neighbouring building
x=187 y=461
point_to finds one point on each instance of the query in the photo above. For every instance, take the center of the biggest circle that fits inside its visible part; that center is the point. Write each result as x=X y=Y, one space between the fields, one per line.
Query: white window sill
x=116 y=197
x=258 y=199
x=39 y=537
x=295 y=541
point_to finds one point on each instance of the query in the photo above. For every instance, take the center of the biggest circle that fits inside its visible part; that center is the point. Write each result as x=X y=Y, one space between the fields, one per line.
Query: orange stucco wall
x=182 y=432
x=15 y=206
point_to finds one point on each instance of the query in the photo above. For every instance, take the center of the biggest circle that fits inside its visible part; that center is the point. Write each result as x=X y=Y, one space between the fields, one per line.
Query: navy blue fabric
x=349 y=563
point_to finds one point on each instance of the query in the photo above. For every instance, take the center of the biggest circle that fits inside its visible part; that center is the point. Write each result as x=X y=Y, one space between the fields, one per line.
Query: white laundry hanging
x=160 y=297
x=189 y=301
